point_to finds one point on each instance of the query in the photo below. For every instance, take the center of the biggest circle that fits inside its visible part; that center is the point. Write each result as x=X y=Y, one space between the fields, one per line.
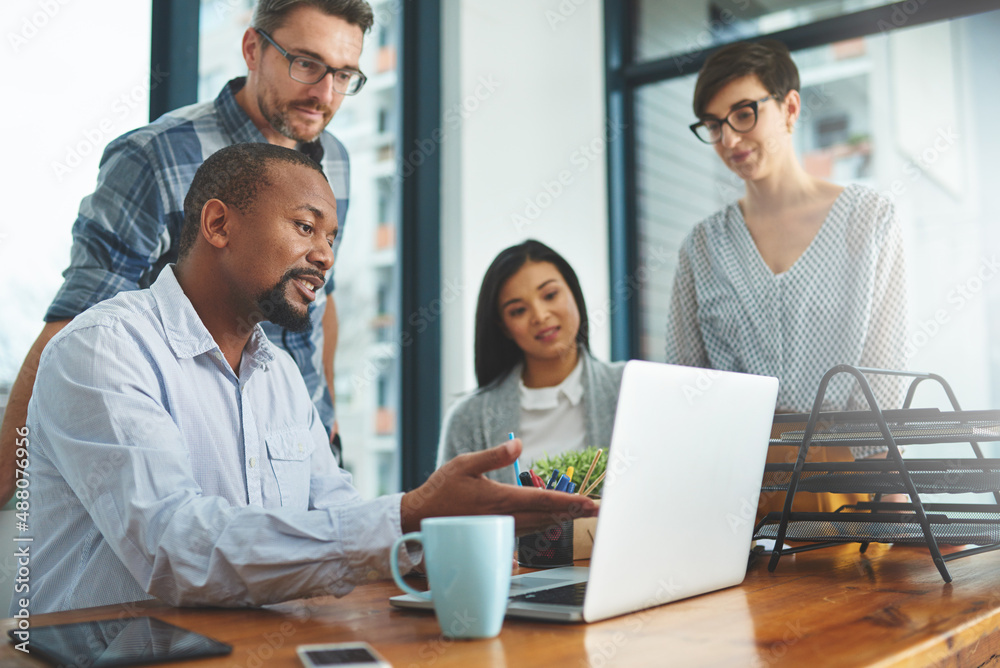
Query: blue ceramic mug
x=468 y=563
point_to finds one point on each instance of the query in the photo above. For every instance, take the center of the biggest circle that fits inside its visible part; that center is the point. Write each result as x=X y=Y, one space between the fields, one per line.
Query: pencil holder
x=550 y=548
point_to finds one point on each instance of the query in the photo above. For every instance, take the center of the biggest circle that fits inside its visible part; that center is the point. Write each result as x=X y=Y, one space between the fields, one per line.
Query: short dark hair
x=769 y=59
x=269 y=15
x=235 y=175
x=496 y=354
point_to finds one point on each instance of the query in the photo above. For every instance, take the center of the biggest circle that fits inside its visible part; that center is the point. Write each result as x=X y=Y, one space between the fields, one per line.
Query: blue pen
x=517 y=466
x=563 y=484
x=553 y=480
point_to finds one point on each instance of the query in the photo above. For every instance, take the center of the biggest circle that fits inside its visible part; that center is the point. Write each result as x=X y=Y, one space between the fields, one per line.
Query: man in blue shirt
x=302 y=59
x=173 y=449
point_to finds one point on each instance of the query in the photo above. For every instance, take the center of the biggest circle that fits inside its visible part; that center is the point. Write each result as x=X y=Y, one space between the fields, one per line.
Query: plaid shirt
x=129 y=228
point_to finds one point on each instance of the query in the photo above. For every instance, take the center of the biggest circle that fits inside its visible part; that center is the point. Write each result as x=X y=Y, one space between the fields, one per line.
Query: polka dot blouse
x=842 y=302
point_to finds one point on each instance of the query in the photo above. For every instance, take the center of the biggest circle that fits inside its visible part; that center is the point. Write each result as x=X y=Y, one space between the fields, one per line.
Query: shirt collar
x=543 y=398
x=186 y=334
x=238 y=125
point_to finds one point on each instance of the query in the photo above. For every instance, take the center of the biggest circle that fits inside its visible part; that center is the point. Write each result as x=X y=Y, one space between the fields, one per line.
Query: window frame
x=173 y=52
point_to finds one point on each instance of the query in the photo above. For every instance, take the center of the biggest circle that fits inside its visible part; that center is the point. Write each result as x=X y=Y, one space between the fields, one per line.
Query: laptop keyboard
x=571 y=594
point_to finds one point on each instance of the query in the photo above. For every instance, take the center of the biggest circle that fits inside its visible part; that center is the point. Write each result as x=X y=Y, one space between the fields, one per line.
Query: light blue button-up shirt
x=156 y=471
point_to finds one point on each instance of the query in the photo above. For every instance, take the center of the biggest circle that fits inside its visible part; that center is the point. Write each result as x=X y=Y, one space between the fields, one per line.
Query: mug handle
x=394 y=565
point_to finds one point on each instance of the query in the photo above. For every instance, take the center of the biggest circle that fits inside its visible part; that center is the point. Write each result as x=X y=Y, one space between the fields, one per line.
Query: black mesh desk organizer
x=875 y=521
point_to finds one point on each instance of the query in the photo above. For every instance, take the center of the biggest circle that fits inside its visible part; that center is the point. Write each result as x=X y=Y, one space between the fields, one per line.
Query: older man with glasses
x=128 y=229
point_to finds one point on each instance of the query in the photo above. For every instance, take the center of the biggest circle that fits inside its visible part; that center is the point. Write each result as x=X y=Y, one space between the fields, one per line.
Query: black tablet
x=119 y=642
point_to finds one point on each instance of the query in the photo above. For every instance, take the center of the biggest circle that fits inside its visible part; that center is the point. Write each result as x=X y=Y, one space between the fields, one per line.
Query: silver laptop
x=679 y=501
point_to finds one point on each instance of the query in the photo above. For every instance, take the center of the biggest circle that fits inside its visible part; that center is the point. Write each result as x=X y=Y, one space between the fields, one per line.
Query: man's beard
x=278 y=119
x=277 y=308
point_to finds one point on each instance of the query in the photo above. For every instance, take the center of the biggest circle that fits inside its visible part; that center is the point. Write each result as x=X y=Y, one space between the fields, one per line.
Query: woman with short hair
x=799 y=274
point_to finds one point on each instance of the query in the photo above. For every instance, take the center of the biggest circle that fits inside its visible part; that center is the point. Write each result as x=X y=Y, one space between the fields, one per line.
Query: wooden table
x=830 y=607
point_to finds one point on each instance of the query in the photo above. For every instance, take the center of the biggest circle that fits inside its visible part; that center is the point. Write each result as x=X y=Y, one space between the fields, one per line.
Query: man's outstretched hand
x=459 y=488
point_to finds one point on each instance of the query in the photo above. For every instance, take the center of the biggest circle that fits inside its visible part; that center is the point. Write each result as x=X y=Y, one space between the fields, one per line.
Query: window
x=677 y=29
x=54 y=149
x=905 y=110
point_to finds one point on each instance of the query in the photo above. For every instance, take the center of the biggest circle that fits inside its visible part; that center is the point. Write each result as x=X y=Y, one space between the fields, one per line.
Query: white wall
x=523 y=109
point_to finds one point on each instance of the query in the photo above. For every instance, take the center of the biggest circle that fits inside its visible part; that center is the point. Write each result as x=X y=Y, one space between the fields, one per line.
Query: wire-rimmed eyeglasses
x=303 y=69
x=742 y=119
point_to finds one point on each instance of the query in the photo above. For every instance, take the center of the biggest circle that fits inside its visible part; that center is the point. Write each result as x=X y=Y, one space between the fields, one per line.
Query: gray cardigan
x=483 y=419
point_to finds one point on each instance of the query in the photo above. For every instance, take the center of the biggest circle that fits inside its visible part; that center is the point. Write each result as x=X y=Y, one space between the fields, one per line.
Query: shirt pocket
x=289 y=453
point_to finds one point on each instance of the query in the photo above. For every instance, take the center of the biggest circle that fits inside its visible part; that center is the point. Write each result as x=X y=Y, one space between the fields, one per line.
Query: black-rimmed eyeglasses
x=310 y=71
x=742 y=119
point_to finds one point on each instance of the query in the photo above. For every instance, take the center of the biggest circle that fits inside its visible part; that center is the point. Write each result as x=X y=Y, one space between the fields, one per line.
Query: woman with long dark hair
x=535 y=372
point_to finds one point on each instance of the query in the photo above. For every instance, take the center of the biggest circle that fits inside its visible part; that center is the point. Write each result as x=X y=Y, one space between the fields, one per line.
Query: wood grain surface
x=830 y=607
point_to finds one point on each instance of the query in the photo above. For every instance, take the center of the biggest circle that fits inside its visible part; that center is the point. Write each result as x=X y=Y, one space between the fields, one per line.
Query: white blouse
x=842 y=302
x=553 y=419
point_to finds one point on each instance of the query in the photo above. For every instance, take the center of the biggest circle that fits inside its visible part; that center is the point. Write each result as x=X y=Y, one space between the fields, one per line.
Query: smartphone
x=341 y=655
